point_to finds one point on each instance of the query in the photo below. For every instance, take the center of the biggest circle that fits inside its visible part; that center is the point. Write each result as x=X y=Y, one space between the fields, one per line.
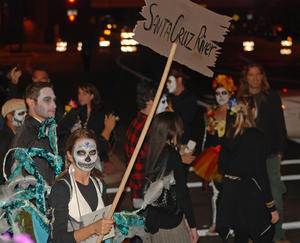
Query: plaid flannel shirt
x=132 y=135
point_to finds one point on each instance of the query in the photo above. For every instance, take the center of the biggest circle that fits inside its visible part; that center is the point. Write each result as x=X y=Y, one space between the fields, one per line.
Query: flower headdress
x=224 y=81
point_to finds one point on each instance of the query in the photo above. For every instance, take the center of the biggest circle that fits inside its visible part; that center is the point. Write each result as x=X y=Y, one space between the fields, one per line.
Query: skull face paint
x=171 y=84
x=45 y=105
x=19 y=116
x=85 y=154
x=162 y=105
x=222 y=96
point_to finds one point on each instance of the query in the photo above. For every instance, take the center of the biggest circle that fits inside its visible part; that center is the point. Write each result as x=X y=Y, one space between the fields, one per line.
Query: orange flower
x=224 y=81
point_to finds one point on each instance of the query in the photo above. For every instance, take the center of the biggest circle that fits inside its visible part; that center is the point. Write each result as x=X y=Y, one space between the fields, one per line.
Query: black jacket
x=6 y=137
x=27 y=137
x=185 y=105
x=270 y=121
x=242 y=203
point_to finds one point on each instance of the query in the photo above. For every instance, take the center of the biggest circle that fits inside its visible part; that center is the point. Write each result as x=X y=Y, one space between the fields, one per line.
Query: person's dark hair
x=244 y=85
x=41 y=68
x=145 y=92
x=165 y=127
x=92 y=89
x=183 y=78
x=244 y=117
x=32 y=90
x=78 y=134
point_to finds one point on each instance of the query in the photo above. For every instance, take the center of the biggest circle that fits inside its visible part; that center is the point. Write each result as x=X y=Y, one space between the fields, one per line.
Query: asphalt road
x=202 y=199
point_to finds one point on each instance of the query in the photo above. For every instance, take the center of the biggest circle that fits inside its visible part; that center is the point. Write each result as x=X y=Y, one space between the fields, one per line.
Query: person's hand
x=188 y=158
x=110 y=122
x=275 y=217
x=182 y=148
x=194 y=235
x=109 y=125
x=103 y=226
x=14 y=75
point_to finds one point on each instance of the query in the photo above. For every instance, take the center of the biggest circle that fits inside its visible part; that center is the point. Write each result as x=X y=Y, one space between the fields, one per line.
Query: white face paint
x=171 y=84
x=222 y=96
x=45 y=105
x=162 y=105
x=85 y=154
x=19 y=117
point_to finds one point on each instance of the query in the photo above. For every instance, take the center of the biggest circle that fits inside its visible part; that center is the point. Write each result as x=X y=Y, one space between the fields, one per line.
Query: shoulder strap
x=102 y=187
x=68 y=184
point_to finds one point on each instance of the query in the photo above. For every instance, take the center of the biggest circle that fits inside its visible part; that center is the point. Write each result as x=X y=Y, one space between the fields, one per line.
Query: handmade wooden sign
x=196 y=30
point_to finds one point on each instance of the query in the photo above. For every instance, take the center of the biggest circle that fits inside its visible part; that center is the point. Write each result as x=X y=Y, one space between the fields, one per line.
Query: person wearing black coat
x=40 y=100
x=270 y=121
x=246 y=203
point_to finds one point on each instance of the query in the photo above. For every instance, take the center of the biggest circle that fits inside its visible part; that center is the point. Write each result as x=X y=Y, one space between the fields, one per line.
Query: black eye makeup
x=222 y=93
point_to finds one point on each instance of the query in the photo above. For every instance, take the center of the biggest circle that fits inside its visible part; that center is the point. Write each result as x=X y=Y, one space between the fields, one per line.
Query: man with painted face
x=14 y=112
x=40 y=74
x=183 y=102
x=40 y=100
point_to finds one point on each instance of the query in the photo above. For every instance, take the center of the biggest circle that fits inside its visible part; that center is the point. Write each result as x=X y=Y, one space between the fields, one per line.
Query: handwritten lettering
x=177 y=32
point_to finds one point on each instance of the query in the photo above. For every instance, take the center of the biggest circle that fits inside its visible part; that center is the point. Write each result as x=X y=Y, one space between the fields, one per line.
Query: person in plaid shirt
x=145 y=96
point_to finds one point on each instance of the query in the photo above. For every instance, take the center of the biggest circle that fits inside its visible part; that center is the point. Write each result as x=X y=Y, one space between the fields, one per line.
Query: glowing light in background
x=285 y=51
x=61 y=46
x=248 y=45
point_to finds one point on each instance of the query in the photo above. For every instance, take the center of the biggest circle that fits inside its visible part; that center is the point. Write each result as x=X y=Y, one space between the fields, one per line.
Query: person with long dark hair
x=89 y=114
x=246 y=203
x=78 y=191
x=172 y=224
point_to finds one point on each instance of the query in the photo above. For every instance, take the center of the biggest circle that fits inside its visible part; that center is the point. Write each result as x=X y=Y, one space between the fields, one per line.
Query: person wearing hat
x=14 y=112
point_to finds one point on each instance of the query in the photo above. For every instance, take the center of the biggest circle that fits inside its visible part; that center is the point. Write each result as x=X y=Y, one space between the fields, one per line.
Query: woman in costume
x=78 y=192
x=246 y=204
x=176 y=222
x=217 y=120
x=88 y=114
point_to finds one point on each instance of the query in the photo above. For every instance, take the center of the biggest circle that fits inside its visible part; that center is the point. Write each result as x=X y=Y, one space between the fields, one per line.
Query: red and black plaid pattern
x=138 y=172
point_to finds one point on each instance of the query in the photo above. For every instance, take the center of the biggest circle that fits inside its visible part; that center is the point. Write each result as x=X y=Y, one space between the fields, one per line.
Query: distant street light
x=61 y=46
x=285 y=51
x=248 y=45
x=128 y=48
x=104 y=43
x=72 y=13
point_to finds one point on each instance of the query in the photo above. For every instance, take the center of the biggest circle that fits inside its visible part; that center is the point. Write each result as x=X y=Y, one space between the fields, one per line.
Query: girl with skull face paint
x=78 y=191
x=217 y=120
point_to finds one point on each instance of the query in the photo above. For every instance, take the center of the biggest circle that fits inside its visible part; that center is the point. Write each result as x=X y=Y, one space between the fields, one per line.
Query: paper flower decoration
x=225 y=81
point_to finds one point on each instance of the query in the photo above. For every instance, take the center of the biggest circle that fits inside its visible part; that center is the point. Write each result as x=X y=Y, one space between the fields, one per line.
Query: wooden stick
x=142 y=136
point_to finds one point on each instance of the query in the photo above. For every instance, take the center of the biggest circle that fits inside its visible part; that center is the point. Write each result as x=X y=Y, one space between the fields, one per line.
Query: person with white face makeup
x=13 y=111
x=40 y=100
x=217 y=120
x=162 y=105
x=78 y=191
x=183 y=101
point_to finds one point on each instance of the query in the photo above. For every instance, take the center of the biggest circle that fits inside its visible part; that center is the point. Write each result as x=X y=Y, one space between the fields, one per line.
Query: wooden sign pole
x=142 y=136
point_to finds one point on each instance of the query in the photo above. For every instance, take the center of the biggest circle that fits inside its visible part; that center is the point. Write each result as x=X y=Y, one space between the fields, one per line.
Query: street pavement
x=201 y=199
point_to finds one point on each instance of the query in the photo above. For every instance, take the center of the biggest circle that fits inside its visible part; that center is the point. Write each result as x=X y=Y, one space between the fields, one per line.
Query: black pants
x=242 y=237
